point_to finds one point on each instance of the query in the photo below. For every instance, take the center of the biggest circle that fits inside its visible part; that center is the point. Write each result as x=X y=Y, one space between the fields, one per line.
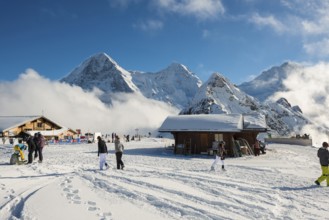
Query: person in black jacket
x=102 y=152
x=31 y=148
x=323 y=155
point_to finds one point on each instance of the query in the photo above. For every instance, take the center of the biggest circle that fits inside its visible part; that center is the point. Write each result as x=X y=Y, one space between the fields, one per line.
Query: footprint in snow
x=105 y=216
x=92 y=206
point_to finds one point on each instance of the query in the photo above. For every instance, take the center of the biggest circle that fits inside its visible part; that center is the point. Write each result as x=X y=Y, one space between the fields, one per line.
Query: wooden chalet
x=12 y=126
x=200 y=134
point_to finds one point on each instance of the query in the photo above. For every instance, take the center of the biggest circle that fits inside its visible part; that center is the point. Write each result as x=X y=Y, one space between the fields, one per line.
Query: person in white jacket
x=221 y=153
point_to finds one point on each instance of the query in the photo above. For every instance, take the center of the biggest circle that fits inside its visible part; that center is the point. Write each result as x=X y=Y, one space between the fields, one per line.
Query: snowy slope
x=159 y=185
x=175 y=85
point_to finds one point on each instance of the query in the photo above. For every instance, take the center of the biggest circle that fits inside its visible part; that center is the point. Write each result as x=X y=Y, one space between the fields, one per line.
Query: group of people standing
x=103 y=151
x=35 y=147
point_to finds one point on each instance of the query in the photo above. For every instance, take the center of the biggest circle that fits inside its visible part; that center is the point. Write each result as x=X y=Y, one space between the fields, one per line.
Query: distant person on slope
x=118 y=153
x=102 y=152
x=40 y=143
x=221 y=153
x=323 y=155
x=31 y=148
x=257 y=148
x=36 y=143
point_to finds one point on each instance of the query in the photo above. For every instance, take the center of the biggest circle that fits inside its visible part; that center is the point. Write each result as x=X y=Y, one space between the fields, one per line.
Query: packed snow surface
x=156 y=184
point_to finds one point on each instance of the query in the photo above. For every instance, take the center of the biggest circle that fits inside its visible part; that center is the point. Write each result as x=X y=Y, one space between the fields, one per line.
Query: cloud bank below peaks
x=309 y=88
x=70 y=106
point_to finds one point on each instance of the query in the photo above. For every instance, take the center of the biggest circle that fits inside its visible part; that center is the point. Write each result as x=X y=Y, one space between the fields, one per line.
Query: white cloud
x=309 y=89
x=201 y=9
x=122 y=3
x=70 y=106
x=306 y=20
x=267 y=21
x=318 y=48
x=149 y=25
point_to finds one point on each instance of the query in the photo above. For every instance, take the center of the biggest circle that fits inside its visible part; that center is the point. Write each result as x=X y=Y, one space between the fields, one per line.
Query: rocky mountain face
x=179 y=87
x=218 y=95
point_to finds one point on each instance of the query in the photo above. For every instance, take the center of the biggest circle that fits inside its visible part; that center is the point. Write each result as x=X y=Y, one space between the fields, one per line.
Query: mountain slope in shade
x=175 y=85
x=270 y=81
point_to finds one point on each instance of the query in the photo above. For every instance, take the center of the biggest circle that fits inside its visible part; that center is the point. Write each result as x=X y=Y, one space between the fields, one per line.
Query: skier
x=221 y=153
x=102 y=151
x=118 y=153
x=323 y=155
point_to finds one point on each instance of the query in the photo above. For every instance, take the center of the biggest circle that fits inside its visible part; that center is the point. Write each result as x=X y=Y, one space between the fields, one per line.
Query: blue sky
x=238 y=38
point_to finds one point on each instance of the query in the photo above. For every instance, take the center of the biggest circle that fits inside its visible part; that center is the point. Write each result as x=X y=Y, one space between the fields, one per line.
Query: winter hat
x=324 y=144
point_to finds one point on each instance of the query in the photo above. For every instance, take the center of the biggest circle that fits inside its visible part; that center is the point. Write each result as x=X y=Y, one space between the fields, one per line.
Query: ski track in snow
x=173 y=187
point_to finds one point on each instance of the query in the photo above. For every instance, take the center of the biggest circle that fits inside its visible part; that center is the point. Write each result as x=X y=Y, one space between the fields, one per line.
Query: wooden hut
x=200 y=134
x=12 y=126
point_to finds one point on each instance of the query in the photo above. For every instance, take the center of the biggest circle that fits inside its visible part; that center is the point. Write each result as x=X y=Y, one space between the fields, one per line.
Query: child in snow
x=323 y=155
x=221 y=153
x=19 y=149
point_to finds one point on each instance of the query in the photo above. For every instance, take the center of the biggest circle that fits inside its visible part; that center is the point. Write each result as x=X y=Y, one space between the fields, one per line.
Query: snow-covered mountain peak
x=177 y=67
x=217 y=80
x=177 y=71
x=218 y=95
x=270 y=81
x=102 y=72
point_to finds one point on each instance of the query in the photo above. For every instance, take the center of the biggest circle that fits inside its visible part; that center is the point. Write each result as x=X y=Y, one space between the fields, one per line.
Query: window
x=39 y=125
x=218 y=137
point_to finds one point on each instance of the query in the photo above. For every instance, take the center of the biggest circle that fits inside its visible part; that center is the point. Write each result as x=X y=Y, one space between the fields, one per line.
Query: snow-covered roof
x=254 y=122
x=10 y=122
x=202 y=122
x=213 y=123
